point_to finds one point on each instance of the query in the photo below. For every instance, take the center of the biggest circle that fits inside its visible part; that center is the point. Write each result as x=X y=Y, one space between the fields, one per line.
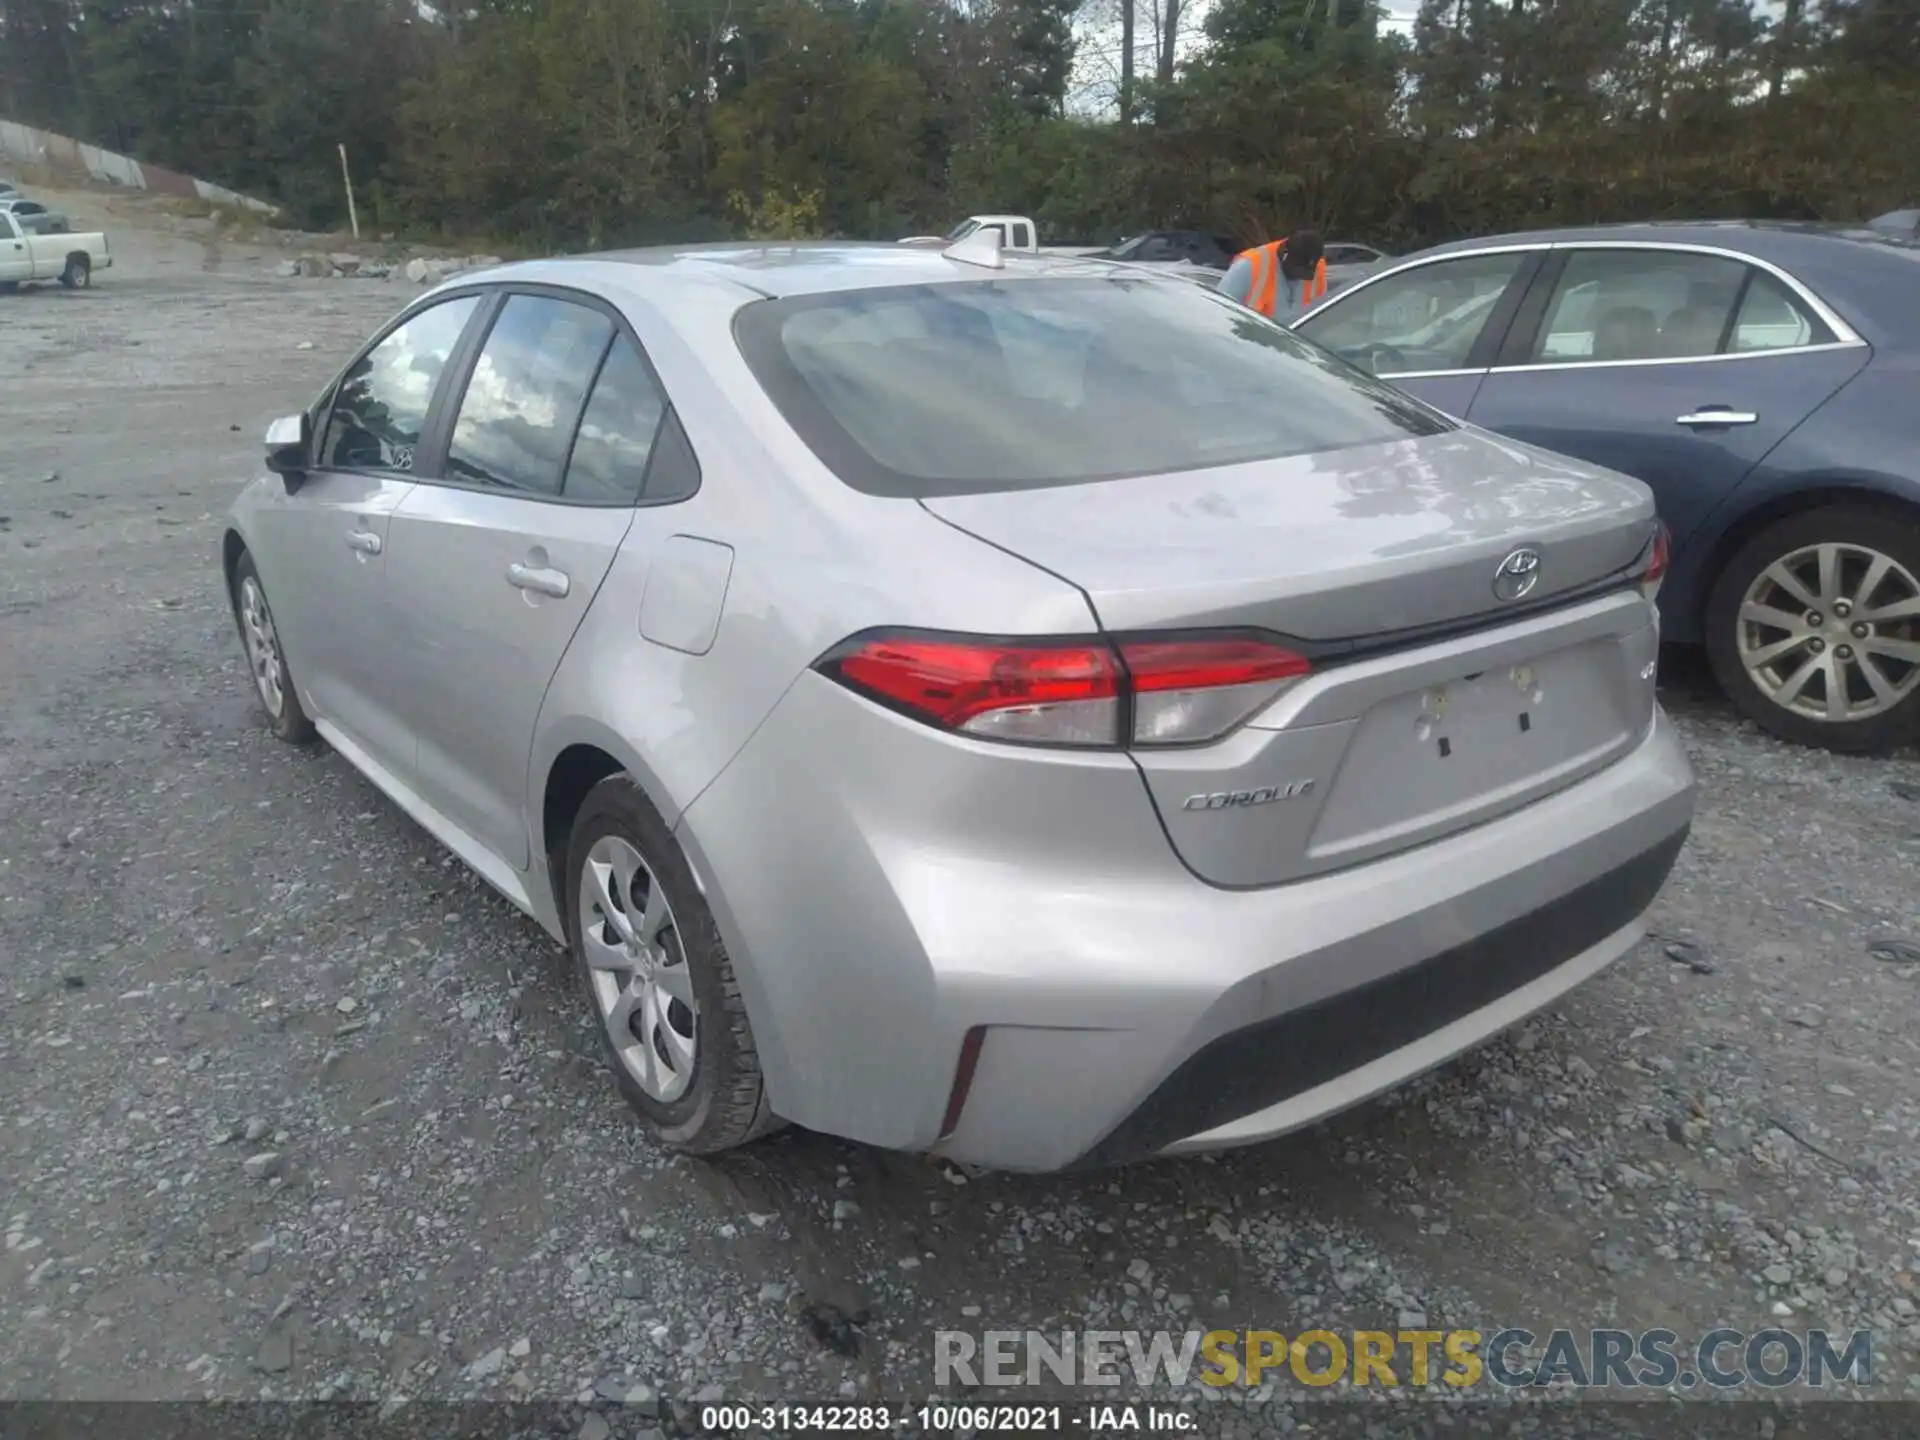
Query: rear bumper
x=1288 y=1071
x=880 y=909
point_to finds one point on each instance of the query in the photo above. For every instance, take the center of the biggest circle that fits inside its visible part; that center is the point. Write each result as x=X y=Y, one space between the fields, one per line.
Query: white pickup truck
x=1017 y=234
x=70 y=259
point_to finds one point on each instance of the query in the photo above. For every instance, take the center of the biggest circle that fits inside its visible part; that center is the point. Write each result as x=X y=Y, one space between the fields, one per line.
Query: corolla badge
x=1517 y=575
x=1241 y=799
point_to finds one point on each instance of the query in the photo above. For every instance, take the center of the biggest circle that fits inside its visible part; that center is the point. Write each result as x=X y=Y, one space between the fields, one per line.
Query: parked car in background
x=1349 y=263
x=1174 y=247
x=1017 y=234
x=1903 y=224
x=34 y=217
x=1763 y=379
x=962 y=702
x=26 y=255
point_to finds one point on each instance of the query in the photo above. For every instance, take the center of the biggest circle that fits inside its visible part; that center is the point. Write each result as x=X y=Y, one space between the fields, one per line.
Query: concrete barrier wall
x=27 y=145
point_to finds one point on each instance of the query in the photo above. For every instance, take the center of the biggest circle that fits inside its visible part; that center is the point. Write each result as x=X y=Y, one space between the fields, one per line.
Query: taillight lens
x=1658 y=554
x=1197 y=689
x=1062 y=694
x=1173 y=690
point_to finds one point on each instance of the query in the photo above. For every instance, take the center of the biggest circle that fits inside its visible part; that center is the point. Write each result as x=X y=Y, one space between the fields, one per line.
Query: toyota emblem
x=1517 y=575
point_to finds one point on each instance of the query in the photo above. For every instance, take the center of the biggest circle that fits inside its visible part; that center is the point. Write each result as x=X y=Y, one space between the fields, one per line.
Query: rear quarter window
x=1025 y=383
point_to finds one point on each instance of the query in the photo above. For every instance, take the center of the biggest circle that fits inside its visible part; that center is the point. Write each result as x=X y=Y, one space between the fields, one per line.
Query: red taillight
x=1172 y=690
x=1051 y=693
x=1657 y=556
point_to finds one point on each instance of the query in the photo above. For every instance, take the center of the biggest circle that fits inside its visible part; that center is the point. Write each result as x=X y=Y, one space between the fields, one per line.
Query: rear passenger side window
x=1639 y=305
x=524 y=398
x=617 y=432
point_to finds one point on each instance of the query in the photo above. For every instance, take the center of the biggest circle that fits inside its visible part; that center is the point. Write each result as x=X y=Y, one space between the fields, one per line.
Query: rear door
x=494 y=563
x=323 y=548
x=1679 y=366
x=1431 y=328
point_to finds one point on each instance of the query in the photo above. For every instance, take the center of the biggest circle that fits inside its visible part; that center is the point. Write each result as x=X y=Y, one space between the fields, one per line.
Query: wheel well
x=576 y=770
x=232 y=547
x=1797 y=502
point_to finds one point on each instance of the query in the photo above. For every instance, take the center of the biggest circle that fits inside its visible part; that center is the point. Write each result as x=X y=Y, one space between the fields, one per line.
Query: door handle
x=541 y=580
x=1716 y=415
x=365 y=541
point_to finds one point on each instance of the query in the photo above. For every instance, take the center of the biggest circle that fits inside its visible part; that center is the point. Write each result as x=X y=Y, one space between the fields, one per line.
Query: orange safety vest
x=1265 y=289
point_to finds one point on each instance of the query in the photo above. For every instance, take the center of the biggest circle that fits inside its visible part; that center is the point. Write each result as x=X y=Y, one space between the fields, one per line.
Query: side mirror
x=290 y=449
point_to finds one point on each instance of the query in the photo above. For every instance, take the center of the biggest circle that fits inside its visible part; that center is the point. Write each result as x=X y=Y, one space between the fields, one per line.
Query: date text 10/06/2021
x=980 y=1419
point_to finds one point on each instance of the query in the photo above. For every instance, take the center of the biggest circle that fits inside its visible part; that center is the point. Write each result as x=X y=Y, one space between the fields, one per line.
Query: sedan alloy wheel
x=1813 y=628
x=1832 y=632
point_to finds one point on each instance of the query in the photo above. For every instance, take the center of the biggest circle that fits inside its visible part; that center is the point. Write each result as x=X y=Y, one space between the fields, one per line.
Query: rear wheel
x=79 y=273
x=652 y=964
x=1813 y=628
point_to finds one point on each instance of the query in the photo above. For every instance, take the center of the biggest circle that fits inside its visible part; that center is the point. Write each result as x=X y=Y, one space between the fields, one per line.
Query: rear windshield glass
x=1013 y=384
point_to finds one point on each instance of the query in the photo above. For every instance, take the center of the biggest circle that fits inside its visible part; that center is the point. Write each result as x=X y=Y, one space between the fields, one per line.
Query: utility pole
x=353 y=215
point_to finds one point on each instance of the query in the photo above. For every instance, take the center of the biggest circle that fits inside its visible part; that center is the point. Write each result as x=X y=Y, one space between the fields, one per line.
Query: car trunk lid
x=1439 y=699
x=1353 y=543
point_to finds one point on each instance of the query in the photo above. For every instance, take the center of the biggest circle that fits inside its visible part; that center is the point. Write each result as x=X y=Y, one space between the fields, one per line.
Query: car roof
x=1778 y=240
x=773 y=271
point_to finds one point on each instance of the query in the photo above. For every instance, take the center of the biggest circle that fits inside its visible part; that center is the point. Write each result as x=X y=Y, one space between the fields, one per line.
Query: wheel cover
x=263 y=647
x=1832 y=632
x=641 y=983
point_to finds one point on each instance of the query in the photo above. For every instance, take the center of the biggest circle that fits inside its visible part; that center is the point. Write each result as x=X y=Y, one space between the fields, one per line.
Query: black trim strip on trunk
x=1249 y=1069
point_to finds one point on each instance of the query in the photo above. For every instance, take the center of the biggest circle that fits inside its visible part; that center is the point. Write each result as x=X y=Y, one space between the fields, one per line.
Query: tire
x=703 y=1101
x=273 y=683
x=9 y=287
x=1868 y=718
x=79 y=273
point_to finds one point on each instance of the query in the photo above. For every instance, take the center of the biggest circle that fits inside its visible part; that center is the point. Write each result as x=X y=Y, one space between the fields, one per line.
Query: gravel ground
x=292 y=1106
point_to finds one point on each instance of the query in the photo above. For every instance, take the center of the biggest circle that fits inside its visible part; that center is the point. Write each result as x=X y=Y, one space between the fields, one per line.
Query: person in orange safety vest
x=1279 y=278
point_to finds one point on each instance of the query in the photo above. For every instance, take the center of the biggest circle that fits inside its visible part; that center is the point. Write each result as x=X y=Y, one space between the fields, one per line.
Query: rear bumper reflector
x=962 y=1079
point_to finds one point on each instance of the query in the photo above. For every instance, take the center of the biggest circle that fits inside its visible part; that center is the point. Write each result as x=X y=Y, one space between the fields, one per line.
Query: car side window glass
x=674 y=471
x=1772 y=318
x=1638 y=305
x=1426 y=318
x=380 y=405
x=617 y=432
x=525 y=395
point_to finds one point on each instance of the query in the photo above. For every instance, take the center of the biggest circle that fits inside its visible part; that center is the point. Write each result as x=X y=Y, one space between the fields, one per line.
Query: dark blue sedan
x=1763 y=379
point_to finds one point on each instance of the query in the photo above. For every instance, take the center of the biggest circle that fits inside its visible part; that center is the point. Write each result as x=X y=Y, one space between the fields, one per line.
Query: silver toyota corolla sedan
x=1029 y=710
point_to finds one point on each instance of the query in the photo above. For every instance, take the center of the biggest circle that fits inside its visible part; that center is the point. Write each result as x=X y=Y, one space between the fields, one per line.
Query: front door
x=494 y=565
x=327 y=540
x=1681 y=368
